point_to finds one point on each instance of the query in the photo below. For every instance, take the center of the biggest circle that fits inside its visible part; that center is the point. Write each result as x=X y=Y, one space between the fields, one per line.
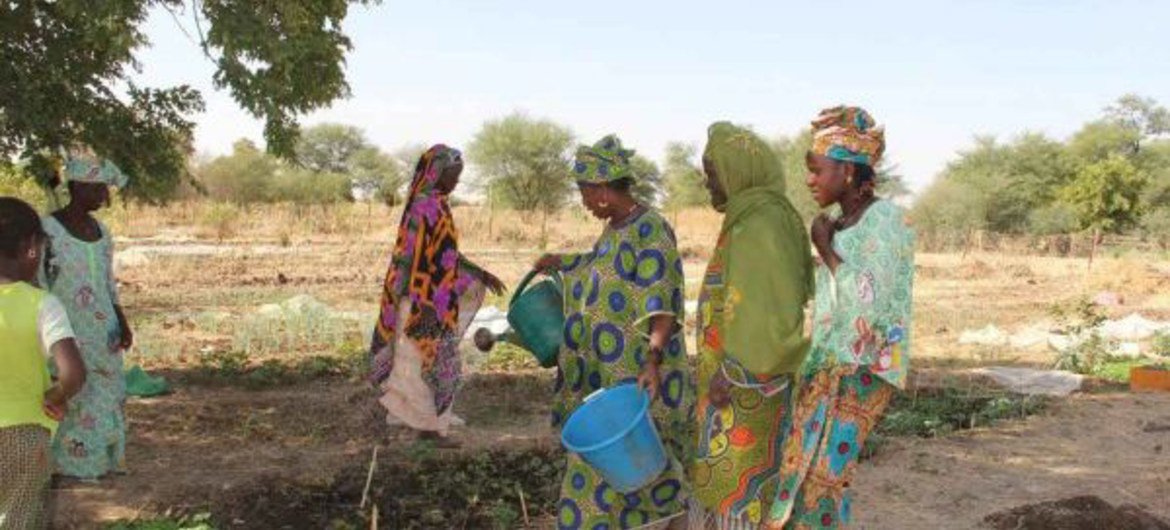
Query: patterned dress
x=737 y=459
x=860 y=357
x=91 y=441
x=633 y=273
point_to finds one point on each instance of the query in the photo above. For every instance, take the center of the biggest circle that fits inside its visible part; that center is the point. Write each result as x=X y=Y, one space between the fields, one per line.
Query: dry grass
x=338 y=255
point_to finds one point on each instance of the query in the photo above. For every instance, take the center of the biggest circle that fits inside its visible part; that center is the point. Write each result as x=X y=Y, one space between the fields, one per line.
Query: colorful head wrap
x=84 y=166
x=424 y=269
x=603 y=162
x=848 y=134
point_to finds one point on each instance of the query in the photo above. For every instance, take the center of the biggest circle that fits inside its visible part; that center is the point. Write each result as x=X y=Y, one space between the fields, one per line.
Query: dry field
x=259 y=319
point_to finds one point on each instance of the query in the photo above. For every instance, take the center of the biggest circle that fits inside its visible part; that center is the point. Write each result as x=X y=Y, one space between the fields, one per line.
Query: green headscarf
x=767 y=260
x=602 y=162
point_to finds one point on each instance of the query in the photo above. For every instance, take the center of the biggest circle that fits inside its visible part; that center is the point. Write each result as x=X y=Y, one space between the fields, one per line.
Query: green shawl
x=768 y=269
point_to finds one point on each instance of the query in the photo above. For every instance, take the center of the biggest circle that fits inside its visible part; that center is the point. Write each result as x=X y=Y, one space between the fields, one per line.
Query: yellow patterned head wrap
x=848 y=134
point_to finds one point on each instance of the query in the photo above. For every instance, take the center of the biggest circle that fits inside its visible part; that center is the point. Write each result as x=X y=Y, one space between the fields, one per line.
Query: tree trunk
x=1093 y=246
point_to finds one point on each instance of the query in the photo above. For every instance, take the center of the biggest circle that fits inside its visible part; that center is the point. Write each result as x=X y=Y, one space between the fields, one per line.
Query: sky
x=935 y=73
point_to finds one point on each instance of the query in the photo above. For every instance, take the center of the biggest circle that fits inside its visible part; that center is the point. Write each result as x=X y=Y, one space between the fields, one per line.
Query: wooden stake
x=523 y=506
x=369 y=481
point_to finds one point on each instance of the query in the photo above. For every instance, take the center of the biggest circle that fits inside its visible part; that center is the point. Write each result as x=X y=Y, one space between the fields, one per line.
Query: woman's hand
x=492 y=283
x=719 y=390
x=548 y=263
x=55 y=404
x=126 y=339
x=822 y=233
x=649 y=380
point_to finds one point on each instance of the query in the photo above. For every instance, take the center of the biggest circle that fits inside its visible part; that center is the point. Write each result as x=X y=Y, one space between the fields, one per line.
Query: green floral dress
x=91 y=441
x=633 y=273
x=860 y=357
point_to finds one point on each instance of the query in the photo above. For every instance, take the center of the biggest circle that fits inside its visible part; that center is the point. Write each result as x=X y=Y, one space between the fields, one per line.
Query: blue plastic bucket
x=615 y=434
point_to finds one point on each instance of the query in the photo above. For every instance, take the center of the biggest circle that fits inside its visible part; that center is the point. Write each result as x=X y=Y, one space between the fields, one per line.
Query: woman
x=430 y=296
x=751 y=331
x=624 y=314
x=91 y=440
x=861 y=323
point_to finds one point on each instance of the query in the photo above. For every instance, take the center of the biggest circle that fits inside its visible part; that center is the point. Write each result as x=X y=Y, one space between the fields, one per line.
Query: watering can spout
x=536 y=319
x=485 y=340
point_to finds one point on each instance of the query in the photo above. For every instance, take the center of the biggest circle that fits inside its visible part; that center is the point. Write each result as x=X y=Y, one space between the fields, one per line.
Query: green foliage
x=244 y=177
x=251 y=176
x=1080 y=321
x=1140 y=114
x=13 y=183
x=1106 y=195
x=1096 y=180
x=793 y=151
x=303 y=187
x=339 y=158
x=523 y=162
x=1103 y=138
x=330 y=147
x=1161 y=345
x=945 y=411
x=1053 y=219
x=278 y=59
x=221 y=220
x=647 y=180
x=682 y=178
x=950 y=208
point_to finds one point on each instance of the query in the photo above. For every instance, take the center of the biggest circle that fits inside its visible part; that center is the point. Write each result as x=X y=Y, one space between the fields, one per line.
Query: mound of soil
x=1077 y=513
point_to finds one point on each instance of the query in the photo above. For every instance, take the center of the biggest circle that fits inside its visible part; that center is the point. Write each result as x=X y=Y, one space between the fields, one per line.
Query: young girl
x=79 y=270
x=33 y=324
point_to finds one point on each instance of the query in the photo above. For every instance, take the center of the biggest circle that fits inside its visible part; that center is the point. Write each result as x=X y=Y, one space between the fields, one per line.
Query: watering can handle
x=526 y=280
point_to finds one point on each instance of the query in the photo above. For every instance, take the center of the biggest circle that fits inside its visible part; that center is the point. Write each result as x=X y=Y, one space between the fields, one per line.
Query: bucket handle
x=528 y=279
x=600 y=390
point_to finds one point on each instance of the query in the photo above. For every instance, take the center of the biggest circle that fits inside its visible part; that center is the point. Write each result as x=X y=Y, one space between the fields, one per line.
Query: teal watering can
x=537 y=319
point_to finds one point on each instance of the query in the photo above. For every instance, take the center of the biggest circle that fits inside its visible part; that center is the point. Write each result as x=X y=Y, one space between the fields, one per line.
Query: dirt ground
x=268 y=456
x=231 y=449
x=1108 y=445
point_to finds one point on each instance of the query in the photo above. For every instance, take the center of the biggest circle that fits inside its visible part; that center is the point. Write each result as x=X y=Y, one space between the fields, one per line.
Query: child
x=33 y=326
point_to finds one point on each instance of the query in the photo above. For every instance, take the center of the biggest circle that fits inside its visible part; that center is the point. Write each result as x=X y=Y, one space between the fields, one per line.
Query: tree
x=1140 y=114
x=684 y=182
x=65 y=79
x=1100 y=139
x=647 y=180
x=409 y=154
x=378 y=173
x=330 y=147
x=244 y=177
x=1106 y=195
x=523 y=162
x=792 y=151
x=950 y=208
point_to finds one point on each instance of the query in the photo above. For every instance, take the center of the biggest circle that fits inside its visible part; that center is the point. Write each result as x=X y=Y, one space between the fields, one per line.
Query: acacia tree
x=523 y=162
x=647 y=180
x=683 y=181
x=66 y=78
x=1106 y=197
